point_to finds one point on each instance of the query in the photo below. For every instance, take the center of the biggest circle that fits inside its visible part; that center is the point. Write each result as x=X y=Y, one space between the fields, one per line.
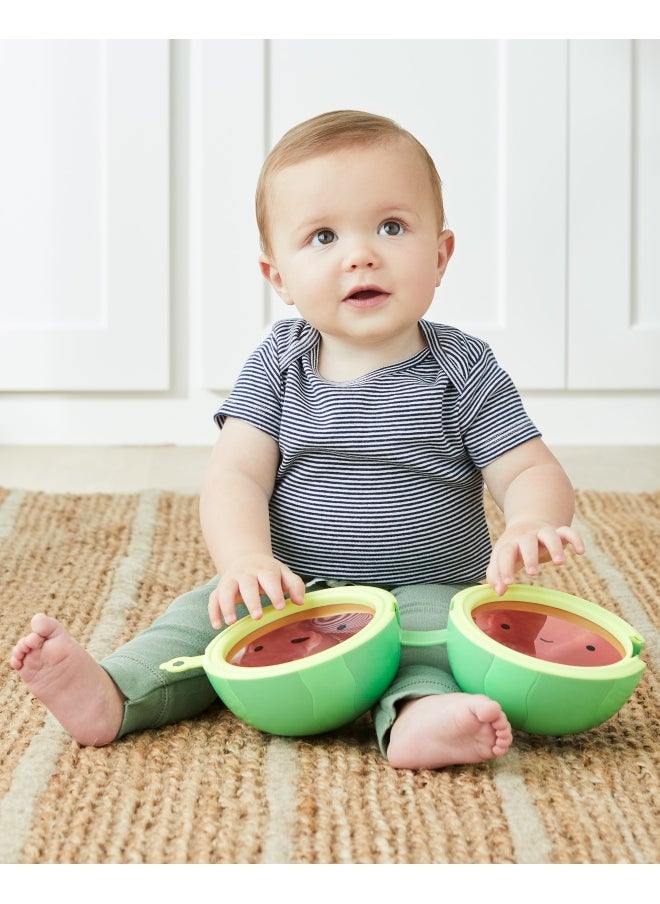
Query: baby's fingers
x=249 y=592
x=571 y=537
x=501 y=568
x=551 y=546
x=294 y=586
x=271 y=586
x=215 y=612
x=222 y=601
x=222 y=604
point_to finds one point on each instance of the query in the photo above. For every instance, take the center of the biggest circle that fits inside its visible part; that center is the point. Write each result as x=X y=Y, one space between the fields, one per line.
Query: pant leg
x=155 y=697
x=423 y=670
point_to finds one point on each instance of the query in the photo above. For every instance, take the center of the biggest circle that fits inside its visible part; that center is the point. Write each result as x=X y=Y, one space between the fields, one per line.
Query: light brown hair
x=331 y=132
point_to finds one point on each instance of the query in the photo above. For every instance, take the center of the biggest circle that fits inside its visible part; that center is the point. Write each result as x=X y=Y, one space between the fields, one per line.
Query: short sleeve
x=257 y=393
x=492 y=417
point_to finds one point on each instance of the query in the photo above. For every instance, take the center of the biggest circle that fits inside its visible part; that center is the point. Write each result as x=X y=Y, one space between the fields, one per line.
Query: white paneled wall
x=614 y=226
x=84 y=227
x=129 y=287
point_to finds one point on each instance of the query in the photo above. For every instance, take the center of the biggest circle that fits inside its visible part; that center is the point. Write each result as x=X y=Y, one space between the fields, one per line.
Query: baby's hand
x=528 y=544
x=246 y=579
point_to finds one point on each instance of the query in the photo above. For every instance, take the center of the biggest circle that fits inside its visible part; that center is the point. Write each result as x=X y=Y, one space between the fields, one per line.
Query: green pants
x=155 y=697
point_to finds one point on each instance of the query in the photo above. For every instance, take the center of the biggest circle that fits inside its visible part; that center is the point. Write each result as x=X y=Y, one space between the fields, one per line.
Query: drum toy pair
x=557 y=664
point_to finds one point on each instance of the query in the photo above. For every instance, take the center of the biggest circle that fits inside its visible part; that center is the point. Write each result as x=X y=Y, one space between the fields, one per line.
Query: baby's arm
x=235 y=523
x=537 y=500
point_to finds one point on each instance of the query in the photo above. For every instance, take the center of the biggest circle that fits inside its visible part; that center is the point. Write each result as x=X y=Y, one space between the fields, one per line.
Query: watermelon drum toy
x=557 y=664
x=325 y=662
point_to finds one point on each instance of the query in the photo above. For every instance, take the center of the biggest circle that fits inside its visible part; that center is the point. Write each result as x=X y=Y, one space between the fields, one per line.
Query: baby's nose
x=361 y=256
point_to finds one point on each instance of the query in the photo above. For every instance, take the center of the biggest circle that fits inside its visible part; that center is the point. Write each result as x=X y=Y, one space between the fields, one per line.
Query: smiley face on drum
x=299 y=639
x=555 y=637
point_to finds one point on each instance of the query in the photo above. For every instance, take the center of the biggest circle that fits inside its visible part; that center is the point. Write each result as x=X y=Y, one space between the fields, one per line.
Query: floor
x=87 y=469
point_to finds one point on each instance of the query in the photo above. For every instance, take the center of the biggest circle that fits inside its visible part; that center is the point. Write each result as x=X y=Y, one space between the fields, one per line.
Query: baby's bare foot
x=69 y=682
x=448 y=729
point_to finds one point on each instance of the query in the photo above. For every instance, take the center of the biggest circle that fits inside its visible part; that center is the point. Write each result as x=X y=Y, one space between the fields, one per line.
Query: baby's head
x=330 y=132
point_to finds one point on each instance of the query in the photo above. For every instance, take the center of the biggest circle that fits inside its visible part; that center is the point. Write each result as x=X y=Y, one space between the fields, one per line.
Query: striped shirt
x=379 y=479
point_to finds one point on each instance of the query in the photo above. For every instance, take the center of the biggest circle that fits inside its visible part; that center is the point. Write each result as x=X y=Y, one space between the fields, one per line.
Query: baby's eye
x=323 y=237
x=392 y=227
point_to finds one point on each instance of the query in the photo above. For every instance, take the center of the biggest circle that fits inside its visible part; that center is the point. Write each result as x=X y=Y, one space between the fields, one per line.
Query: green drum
x=325 y=662
x=557 y=664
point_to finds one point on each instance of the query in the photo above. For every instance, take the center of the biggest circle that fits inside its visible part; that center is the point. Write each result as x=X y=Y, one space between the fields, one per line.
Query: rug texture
x=213 y=790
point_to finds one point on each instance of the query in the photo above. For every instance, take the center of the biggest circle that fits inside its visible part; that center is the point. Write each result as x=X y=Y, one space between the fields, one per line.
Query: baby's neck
x=339 y=363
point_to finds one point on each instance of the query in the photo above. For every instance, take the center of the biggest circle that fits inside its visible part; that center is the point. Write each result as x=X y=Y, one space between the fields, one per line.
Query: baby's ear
x=270 y=272
x=445 y=251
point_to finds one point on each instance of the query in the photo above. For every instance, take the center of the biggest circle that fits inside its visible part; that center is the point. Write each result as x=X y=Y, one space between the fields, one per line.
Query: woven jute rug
x=213 y=790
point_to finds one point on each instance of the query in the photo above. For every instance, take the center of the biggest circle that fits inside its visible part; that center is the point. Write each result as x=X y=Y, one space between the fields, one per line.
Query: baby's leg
x=448 y=729
x=69 y=682
x=424 y=721
x=127 y=691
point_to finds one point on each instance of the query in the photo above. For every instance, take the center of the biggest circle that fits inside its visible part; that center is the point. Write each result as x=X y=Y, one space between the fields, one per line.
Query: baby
x=354 y=448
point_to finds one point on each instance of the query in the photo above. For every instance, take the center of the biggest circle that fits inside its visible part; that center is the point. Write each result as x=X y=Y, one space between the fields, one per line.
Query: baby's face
x=356 y=245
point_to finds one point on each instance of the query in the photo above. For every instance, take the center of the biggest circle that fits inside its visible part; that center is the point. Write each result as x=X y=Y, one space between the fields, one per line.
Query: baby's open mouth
x=365 y=294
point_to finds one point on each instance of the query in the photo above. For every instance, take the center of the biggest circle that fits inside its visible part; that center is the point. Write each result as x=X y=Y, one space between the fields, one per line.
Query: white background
x=129 y=290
